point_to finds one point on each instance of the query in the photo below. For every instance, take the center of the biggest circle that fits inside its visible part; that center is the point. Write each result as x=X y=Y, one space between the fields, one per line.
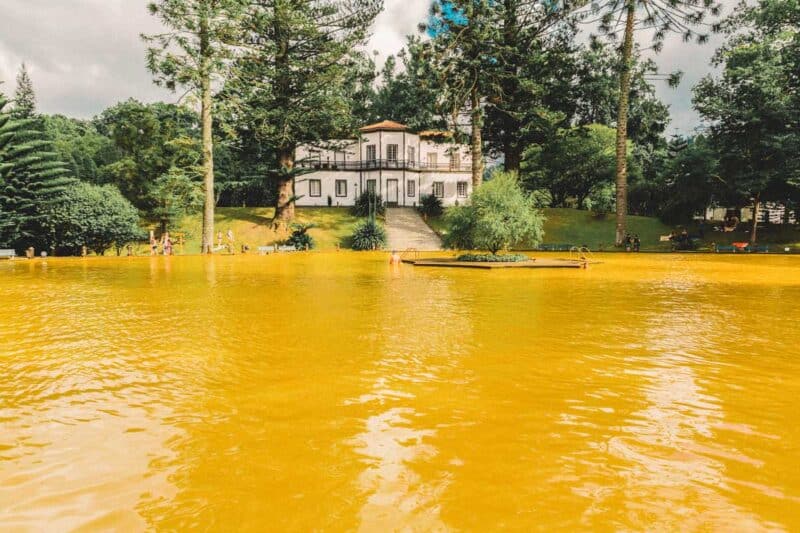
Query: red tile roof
x=386 y=125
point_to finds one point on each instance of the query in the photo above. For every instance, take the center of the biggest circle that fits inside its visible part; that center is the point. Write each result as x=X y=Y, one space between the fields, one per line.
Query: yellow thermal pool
x=332 y=392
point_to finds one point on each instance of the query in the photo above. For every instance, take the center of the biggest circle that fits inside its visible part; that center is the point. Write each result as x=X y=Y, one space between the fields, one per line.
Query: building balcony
x=384 y=164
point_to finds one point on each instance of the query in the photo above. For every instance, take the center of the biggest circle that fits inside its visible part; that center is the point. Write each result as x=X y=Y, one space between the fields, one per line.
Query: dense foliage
x=369 y=203
x=31 y=179
x=300 y=238
x=752 y=106
x=572 y=164
x=500 y=215
x=430 y=205
x=493 y=258
x=94 y=216
x=368 y=234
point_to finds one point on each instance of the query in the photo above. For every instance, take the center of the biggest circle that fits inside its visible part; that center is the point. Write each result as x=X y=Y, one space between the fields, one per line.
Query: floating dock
x=533 y=263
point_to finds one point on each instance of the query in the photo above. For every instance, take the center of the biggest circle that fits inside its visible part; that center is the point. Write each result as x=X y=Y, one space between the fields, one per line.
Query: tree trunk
x=477 y=141
x=207 y=139
x=512 y=150
x=622 y=124
x=284 y=204
x=284 y=199
x=754 y=230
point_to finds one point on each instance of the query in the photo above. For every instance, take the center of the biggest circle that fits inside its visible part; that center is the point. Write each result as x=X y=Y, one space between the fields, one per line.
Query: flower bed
x=490 y=258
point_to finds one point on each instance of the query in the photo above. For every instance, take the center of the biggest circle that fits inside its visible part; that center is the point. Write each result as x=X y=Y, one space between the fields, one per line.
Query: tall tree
x=464 y=34
x=752 y=106
x=573 y=163
x=290 y=81
x=533 y=93
x=410 y=95
x=148 y=141
x=193 y=53
x=24 y=96
x=662 y=18
x=31 y=178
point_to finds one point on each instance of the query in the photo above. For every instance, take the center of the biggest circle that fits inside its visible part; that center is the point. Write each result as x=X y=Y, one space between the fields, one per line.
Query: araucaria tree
x=662 y=17
x=288 y=86
x=31 y=178
x=193 y=53
x=24 y=96
x=464 y=33
x=535 y=57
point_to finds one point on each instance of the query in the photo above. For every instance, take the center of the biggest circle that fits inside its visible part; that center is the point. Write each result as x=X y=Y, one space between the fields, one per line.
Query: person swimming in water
x=395 y=258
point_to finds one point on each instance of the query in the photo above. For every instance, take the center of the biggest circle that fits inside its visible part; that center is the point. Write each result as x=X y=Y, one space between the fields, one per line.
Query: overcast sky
x=85 y=55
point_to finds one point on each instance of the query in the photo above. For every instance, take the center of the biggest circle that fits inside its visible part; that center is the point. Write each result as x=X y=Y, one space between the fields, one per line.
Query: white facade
x=772 y=212
x=400 y=166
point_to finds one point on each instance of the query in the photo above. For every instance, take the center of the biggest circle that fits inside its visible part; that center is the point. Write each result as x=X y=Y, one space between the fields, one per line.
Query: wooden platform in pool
x=534 y=263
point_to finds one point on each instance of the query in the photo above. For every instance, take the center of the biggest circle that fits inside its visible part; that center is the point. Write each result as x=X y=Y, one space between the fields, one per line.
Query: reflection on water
x=330 y=391
x=415 y=346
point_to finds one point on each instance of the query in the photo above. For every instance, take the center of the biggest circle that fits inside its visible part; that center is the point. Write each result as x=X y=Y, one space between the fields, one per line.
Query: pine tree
x=31 y=178
x=290 y=82
x=463 y=31
x=24 y=97
x=193 y=53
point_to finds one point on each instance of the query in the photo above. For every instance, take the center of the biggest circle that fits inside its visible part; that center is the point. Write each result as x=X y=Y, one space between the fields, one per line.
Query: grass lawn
x=251 y=226
x=576 y=227
x=572 y=226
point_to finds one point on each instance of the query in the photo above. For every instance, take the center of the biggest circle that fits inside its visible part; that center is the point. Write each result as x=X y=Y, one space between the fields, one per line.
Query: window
x=438 y=189
x=371 y=186
x=462 y=188
x=432 y=159
x=455 y=161
x=371 y=154
x=411 y=188
x=391 y=153
x=341 y=187
x=314 y=188
x=412 y=159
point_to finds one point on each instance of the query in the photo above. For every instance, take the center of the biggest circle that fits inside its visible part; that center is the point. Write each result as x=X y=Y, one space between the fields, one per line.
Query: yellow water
x=333 y=392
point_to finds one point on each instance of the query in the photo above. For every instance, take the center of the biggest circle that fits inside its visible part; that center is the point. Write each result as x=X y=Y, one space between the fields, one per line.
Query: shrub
x=369 y=201
x=490 y=258
x=368 y=235
x=300 y=238
x=500 y=215
x=176 y=195
x=93 y=216
x=601 y=200
x=430 y=205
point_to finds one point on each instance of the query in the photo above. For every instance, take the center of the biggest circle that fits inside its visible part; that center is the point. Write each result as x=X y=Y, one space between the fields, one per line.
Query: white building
x=399 y=165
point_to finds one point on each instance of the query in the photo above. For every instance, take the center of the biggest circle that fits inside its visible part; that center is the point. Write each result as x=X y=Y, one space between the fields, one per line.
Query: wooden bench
x=7 y=254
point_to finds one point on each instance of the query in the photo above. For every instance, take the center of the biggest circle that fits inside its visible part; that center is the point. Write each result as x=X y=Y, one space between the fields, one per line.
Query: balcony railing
x=384 y=164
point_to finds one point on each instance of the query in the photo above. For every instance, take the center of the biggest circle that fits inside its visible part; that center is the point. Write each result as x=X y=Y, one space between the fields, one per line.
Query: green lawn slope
x=251 y=226
x=576 y=227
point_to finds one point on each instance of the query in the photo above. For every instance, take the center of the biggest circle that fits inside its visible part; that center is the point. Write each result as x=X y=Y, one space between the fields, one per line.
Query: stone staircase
x=405 y=229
